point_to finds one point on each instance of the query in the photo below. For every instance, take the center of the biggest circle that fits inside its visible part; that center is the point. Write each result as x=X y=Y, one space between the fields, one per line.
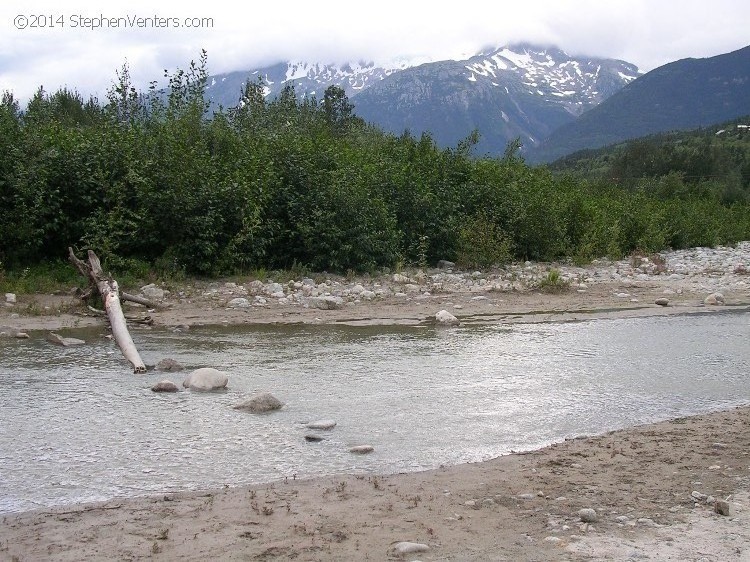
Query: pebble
x=721 y=507
x=362 y=449
x=401 y=548
x=587 y=515
x=321 y=424
x=696 y=495
x=165 y=386
x=10 y=298
x=239 y=302
x=714 y=299
x=662 y=302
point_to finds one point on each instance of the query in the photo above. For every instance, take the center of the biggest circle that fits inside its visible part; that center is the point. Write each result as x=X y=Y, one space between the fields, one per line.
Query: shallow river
x=76 y=425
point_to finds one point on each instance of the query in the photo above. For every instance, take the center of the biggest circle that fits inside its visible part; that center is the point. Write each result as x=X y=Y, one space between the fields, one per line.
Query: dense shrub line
x=286 y=182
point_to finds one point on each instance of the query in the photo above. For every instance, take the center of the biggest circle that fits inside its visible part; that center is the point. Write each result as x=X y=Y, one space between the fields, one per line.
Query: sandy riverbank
x=520 y=507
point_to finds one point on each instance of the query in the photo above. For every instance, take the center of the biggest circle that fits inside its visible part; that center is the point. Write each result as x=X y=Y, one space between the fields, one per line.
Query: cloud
x=248 y=35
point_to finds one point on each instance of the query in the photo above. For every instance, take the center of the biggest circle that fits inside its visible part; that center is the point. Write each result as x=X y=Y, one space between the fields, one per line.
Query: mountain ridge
x=517 y=91
x=680 y=95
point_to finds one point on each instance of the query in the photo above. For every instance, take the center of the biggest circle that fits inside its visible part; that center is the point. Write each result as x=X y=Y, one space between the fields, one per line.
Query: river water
x=77 y=425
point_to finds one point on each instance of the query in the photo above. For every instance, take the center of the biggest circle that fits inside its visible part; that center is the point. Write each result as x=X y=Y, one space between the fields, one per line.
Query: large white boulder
x=206 y=378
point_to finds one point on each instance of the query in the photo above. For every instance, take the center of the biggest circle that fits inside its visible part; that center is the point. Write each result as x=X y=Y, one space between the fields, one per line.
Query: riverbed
x=76 y=425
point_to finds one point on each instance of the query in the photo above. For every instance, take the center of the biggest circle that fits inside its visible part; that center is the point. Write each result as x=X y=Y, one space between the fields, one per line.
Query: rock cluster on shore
x=710 y=271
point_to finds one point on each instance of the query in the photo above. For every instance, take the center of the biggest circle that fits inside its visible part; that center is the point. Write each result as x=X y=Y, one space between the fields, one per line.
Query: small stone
x=10 y=298
x=445 y=318
x=321 y=424
x=526 y=497
x=169 y=365
x=260 y=404
x=312 y=438
x=401 y=548
x=714 y=299
x=553 y=539
x=239 y=302
x=273 y=289
x=662 y=302
x=445 y=264
x=488 y=503
x=721 y=507
x=697 y=496
x=165 y=386
x=362 y=449
x=587 y=515
x=153 y=292
x=399 y=278
x=647 y=522
x=473 y=504
x=622 y=519
x=325 y=302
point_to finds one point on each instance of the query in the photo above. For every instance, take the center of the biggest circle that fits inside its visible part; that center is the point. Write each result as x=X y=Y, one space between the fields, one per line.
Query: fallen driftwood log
x=110 y=293
x=138 y=300
x=138 y=319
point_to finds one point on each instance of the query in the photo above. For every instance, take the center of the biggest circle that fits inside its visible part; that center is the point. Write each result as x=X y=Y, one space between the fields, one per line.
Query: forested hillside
x=709 y=160
x=154 y=181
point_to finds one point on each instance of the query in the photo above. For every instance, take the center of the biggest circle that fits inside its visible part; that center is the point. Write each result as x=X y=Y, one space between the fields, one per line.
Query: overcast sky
x=42 y=43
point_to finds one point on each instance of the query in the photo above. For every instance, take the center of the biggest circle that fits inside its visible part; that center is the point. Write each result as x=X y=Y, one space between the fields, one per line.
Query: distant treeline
x=712 y=160
x=279 y=183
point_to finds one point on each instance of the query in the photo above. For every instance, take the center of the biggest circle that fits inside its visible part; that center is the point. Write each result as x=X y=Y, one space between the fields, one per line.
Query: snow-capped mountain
x=575 y=83
x=520 y=91
x=308 y=79
x=685 y=94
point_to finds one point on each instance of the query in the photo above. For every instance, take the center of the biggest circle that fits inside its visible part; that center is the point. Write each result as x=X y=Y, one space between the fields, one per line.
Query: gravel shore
x=676 y=490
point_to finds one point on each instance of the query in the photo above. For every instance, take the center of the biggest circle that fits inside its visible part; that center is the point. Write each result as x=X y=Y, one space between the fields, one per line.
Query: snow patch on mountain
x=575 y=82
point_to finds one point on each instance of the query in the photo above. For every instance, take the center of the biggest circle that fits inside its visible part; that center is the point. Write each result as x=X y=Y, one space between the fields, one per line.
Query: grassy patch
x=553 y=283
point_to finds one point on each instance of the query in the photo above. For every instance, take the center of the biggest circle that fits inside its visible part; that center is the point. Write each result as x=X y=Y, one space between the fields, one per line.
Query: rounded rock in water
x=260 y=403
x=206 y=378
x=165 y=386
